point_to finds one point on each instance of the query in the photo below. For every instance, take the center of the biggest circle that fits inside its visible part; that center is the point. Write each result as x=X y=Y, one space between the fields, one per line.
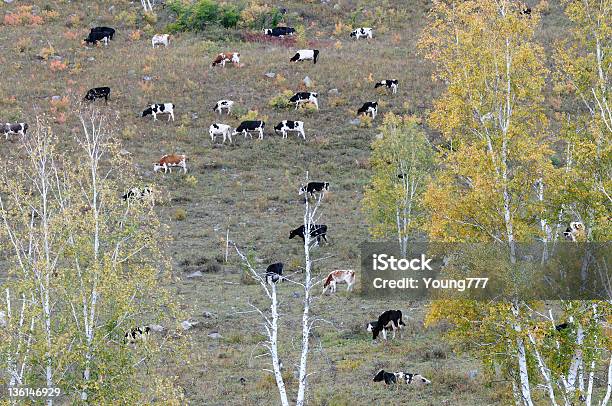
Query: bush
x=281 y=101
x=258 y=16
x=179 y=214
x=200 y=14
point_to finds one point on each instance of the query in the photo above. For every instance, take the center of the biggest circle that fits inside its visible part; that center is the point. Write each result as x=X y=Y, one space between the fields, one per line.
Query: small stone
x=156 y=327
x=55 y=98
x=215 y=335
x=270 y=75
x=296 y=295
x=307 y=81
x=124 y=152
x=472 y=374
x=208 y=315
x=195 y=274
x=91 y=59
x=355 y=121
x=147 y=78
x=187 y=324
x=333 y=92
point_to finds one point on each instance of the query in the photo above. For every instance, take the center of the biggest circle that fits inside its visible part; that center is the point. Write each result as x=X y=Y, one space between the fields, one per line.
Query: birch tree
x=402 y=163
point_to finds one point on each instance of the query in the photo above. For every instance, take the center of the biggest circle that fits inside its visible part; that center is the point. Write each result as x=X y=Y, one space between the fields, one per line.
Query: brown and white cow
x=166 y=163
x=223 y=57
x=339 y=276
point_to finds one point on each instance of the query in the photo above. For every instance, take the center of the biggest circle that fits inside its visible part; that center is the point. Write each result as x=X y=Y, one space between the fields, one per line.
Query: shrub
x=200 y=14
x=230 y=17
x=179 y=214
x=258 y=16
x=57 y=66
x=150 y=18
x=23 y=16
x=281 y=101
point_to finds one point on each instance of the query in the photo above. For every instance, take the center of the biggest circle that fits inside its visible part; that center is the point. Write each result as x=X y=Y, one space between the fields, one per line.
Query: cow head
x=267 y=31
x=147 y=111
x=380 y=376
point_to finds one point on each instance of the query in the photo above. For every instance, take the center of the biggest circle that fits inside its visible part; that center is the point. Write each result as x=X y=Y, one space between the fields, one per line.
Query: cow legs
x=316 y=103
x=154 y=116
x=261 y=133
x=303 y=134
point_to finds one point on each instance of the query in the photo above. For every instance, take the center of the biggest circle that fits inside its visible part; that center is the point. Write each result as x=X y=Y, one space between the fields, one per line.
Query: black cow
x=388 y=377
x=279 y=31
x=249 y=126
x=318 y=231
x=98 y=93
x=313 y=187
x=110 y=32
x=136 y=333
x=389 y=84
x=95 y=37
x=400 y=377
x=274 y=273
x=370 y=108
x=390 y=318
x=16 y=128
x=373 y=324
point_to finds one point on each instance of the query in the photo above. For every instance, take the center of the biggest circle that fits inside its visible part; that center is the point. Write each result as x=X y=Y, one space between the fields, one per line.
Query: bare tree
x=146 y=5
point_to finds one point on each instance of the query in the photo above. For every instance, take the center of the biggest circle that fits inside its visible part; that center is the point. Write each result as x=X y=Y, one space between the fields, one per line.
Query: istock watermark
x=564 y=270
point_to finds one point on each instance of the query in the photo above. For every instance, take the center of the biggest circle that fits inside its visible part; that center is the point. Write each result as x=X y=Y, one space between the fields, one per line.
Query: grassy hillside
x=251 y=187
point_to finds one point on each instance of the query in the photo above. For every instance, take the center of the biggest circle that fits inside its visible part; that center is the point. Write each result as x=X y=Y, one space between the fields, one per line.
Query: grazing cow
x=223 y=105
x=220 y=129
x=95 y=37
x=400 y=377
x=160 y=108
x=279 y=31
x=98 y=93
x=223 y=57
x=137 y=193
x=17 y=128
x=364 y=32
x=110 y=32
x=390 y=318
x=160 y=39
x=249 y=126
x=306 y=55
x=339 y=276
x=575 y=231
x=274 y=273
x=370 y=108
x=372 y=325
x=167 y=162
x=305 y=97
x=136 y=334
x=526 y=10
x=388 y=377
x=389 y=83
x=313 y=187
x=318 y=231
x=287 y=125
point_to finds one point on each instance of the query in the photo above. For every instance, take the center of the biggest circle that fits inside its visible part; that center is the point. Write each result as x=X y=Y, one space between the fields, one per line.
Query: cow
x=305 y=55
x=160 y=108
x=372 y=325
x=137 y=193
x=526 y=10
x=317 y=231
x=364 y=32
x=223 y=105
x=167 y=162
x=249 y=126
x=400 y=377
x=305 y=97
x=288 y=125
x=95 y=37
x=98 y=93
x=279 y=31
x=575 y=231
x=17 y=128
x=274 y=273
x=370 y=108
x=339 y=276
x=313 y=187
x=160 y=39
x=110 y=32
x=390 y=318
x=136 y=334
x=220 y=129
x=223 y=57
x=389 y=84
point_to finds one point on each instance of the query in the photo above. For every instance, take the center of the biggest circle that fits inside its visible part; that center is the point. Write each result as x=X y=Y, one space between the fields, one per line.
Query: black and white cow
x=389 y=83
x=160 y=108
x=370 y=108
x=136 y=334
x=17 y=128
x=95 y=37
x=306 y=55
x=249 y=126
x=137 y=193
x=314 y=187
x=279 y=31
x=305 y=97
x=390 y=318
x=110 y=32
x=223 y=105
x=220 y=129
x=98 y=93
x=274 y=273
x=400 y=377
x=318 y=231
x=373 y=324
x=364 y=32
x=288 y=125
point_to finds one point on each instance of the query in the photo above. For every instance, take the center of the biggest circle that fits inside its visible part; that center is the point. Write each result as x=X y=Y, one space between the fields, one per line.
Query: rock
x=355 y=121
x=111 y=9
x=337 y=6
x=194 y=116
x=156 y=327
x=124 y=152
x=131 y=72
x=333 y=92
x=195 y=274
x=147 y=78
x=91 y=59
x=8 y=1
x=296 y=295
x=208 y=315
x=187 y=324
x=379 y=136
x=270 y=75
x=472 y=374
x=56 y=98
x=307 y=81
x=215 y=335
